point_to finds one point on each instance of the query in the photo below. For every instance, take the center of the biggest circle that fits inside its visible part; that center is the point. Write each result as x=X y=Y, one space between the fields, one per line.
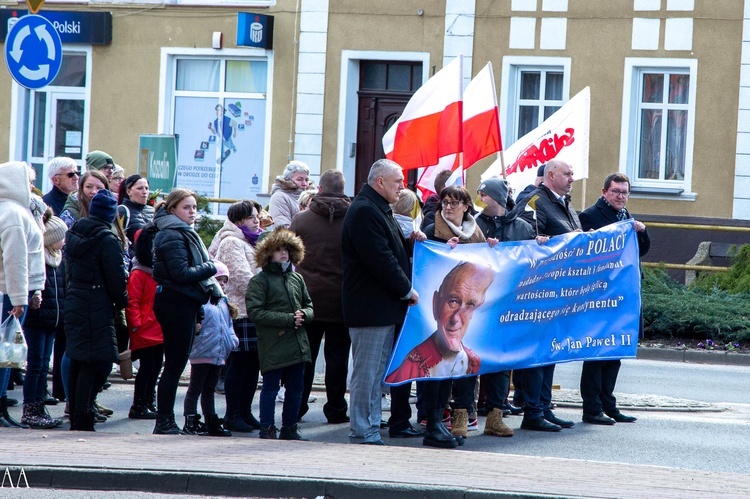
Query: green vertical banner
x=157 y=161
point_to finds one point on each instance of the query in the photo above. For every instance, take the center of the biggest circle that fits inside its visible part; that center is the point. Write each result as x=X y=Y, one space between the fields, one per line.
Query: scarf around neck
x=52 y=257
x=467 y=232
x=252 y=237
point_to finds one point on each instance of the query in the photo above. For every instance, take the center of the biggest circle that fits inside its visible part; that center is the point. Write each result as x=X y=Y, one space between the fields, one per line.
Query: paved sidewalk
x=254 y=467
x=259 y=468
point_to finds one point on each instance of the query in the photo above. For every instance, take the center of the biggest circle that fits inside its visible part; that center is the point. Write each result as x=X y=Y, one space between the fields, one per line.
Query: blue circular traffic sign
x=33 y=52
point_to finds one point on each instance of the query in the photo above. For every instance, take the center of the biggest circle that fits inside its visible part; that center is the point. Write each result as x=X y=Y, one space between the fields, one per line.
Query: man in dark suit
x=554 y=216
x=598 y=377
x=376 y=292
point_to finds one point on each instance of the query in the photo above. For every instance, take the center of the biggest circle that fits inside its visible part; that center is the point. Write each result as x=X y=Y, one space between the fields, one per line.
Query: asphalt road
x=709 y=441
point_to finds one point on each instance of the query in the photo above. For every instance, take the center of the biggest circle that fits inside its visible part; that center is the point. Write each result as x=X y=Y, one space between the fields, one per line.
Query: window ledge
x=667 y=193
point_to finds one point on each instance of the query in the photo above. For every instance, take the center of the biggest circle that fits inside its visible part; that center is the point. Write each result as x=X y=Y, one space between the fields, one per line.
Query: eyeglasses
x=117 y=178
x=108 y=167
x=452 y=204
x=617 y=192
x=69 y=174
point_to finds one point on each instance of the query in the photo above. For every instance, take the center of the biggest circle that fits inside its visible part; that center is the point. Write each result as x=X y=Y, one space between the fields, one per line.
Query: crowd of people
x=100 y=277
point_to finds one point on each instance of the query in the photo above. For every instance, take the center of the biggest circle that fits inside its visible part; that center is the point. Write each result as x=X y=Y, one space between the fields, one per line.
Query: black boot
x=165 y=425
x=247 y=417
x=5 y=419
x=437 y=435
x=139 y=410
x=83 y=422
x=233 y=421
x=214 y=427
x=193 y=425
x=268 y=433
x=291 y=433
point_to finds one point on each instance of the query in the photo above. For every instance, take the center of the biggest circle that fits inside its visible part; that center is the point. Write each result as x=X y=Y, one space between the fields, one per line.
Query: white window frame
x=630 y=130
x=510 y=87
x=194 y=3
x=167 y=91
x=20 y=117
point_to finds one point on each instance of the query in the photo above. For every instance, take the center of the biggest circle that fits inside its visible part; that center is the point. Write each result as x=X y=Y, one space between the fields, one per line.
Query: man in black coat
x=376 y=292
x=554 y=216
x=63 y=172
x=598 y=377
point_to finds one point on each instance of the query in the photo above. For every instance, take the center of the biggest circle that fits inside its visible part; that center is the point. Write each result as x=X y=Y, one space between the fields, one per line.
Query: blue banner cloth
x=520 y=304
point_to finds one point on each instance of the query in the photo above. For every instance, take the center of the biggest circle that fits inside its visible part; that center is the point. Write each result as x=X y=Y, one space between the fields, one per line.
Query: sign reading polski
x=521 y=304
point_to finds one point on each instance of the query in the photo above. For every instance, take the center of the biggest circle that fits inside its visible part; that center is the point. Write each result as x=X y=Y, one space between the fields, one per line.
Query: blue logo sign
x=33 y=52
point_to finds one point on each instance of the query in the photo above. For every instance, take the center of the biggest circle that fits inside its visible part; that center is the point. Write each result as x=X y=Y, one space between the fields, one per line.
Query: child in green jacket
x=279 y=305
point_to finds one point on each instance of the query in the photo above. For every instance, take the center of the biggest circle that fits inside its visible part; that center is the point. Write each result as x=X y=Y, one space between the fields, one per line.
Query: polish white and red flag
x=430 y=126
x=480 y=131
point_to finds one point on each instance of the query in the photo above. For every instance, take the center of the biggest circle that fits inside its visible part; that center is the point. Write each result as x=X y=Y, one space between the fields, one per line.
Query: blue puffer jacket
x=216 y=339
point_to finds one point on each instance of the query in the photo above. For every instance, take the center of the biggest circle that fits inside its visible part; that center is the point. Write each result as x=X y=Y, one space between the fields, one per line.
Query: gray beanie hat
x=54 y=231
x=496 y=188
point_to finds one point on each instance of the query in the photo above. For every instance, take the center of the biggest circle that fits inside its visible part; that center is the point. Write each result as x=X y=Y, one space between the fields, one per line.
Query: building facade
x=669 y=79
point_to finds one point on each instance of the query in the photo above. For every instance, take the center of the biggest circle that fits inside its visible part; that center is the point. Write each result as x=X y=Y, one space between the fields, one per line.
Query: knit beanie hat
x=55 y=230
x=221 y=269
x=98 y=160
x=103 y=206
x=496 y=188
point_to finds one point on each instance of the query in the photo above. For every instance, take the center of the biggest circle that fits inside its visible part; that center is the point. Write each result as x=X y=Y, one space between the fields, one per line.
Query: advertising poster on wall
x=221 y=146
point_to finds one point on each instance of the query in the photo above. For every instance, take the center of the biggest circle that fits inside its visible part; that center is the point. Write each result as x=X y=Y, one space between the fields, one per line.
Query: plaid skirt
x=245 y=331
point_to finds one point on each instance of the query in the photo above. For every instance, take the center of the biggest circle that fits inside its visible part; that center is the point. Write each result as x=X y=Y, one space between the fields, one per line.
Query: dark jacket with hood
x=50 y=315
x=429 y=209
x=273 y=296
x=320 y=229
x=96 y=287
x=376 y=264
x=181 y=260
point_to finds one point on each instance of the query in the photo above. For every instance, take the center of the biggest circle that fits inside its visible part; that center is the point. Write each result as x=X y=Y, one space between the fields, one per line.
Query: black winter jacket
x=375 y=258
x=505 y=228
x=600 y=214
x=181 y=260
x=96 y=287
x=51 y=314
x=134 y=217
x=552 y=218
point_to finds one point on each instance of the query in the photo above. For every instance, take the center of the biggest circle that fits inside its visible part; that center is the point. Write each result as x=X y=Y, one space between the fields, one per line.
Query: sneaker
x=311 y=399
x=473 y=424
x=280 y=396
x=104 y=411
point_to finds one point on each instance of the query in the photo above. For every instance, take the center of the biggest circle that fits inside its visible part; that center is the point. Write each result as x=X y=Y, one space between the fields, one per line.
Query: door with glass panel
x=57 y=117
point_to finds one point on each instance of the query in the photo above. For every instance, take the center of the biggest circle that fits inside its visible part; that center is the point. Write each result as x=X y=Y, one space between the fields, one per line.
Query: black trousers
x=241 y=383
x=203 y=379
x=83 y=385
x=58 y=387
x=151 y=359
x=598 y=379
x=336 y=354
x=400 y=407
x=177 y=314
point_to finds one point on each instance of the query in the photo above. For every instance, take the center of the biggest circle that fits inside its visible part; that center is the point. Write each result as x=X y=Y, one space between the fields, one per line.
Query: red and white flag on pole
x=430 y=126
x=481 y=124
x=480 y=129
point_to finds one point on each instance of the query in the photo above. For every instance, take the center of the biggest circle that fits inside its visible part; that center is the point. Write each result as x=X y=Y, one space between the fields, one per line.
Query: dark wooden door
x=377 y=113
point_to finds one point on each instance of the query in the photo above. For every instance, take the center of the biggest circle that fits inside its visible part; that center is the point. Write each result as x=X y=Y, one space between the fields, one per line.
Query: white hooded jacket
x=21 y=240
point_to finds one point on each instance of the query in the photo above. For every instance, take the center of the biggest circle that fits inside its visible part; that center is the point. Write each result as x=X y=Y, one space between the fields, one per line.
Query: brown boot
x=460 y=423
x=495 y=425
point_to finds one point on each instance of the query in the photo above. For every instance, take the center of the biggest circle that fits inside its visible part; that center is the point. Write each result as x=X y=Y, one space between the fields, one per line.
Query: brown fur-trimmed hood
x=279 y=238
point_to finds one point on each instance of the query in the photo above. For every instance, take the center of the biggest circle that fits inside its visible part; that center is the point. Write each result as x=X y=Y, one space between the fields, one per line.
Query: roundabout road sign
x=33 y=52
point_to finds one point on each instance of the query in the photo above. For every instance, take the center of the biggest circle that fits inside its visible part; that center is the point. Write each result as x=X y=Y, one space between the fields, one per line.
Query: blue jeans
x=294 y=381
x=39 y=343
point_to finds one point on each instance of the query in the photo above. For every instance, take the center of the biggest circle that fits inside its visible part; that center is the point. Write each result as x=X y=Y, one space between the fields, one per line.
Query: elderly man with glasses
x=598 y=377
x=63 y=172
